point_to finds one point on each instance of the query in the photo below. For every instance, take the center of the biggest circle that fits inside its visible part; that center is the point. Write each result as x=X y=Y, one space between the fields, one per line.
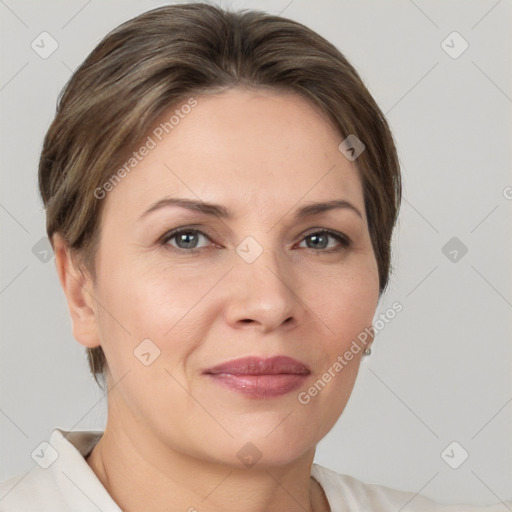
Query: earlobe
x=78 y=289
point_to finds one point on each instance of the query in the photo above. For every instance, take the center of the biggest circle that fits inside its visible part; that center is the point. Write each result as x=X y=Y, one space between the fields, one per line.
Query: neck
x=142 y=474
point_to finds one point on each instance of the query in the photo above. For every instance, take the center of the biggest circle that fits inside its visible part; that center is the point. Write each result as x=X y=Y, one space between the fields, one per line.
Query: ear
x=78 y=288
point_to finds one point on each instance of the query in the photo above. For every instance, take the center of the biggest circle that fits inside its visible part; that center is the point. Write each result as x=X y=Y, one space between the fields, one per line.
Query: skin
x=172 y=433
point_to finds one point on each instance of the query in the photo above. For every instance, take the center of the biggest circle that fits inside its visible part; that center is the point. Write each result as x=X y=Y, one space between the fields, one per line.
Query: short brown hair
x=162 y=57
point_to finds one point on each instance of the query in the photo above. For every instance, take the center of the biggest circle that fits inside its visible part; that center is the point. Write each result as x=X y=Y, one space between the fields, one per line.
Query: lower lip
x=260 y=386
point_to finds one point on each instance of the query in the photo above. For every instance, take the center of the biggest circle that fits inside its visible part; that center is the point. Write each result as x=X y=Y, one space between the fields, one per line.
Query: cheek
x=347 y=310
x=149 y=298
x=160 y=305
x=346 y=299
x=346 y=305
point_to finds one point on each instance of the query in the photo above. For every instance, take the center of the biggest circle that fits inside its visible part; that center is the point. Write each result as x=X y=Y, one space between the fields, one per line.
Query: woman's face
x=263 y=281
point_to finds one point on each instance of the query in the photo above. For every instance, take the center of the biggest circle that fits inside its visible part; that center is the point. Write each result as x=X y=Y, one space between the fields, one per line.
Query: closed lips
x=261 y=366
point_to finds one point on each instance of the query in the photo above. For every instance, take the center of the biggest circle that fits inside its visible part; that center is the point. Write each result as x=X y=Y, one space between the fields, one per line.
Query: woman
x=221 y=191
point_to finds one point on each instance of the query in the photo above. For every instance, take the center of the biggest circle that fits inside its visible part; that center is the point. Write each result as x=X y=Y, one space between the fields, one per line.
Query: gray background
x=440 y=371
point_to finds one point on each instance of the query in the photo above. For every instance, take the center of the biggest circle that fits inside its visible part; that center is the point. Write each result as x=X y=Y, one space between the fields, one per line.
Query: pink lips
x=261 y=378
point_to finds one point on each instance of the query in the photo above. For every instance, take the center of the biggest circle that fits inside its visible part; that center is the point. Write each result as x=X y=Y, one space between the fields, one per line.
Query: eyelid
x=173 y=233
x=342 y=238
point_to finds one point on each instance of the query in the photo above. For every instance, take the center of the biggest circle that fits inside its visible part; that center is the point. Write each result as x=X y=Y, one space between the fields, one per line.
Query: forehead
x=241 y=148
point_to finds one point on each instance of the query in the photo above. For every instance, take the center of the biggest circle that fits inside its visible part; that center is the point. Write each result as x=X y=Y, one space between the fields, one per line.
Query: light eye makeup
x=323 y=237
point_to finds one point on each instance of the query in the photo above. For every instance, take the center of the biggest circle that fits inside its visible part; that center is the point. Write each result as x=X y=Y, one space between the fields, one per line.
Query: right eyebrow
x=214 y=210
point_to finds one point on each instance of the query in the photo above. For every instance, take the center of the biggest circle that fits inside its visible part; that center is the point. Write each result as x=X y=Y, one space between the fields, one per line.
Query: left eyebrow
x=216 y=210
x=315 y=208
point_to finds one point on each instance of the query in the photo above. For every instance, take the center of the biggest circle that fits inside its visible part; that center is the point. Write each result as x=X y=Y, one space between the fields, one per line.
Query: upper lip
x=261 y=366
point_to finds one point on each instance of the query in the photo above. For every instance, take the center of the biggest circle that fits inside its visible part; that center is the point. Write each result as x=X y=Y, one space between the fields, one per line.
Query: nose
x=263 y=294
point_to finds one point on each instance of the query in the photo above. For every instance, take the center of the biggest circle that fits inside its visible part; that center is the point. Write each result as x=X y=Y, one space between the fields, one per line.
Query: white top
x=62 y=481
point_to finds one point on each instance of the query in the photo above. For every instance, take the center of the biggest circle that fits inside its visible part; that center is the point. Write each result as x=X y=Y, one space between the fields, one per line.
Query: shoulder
x=30 y=491
x=60 y=480
x=349 y=494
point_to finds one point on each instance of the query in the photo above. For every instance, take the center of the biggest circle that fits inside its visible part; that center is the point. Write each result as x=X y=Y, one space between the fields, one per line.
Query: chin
x=271 y=450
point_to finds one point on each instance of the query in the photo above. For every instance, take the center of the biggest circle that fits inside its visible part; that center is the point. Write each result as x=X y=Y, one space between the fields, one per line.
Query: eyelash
x=342 y=239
